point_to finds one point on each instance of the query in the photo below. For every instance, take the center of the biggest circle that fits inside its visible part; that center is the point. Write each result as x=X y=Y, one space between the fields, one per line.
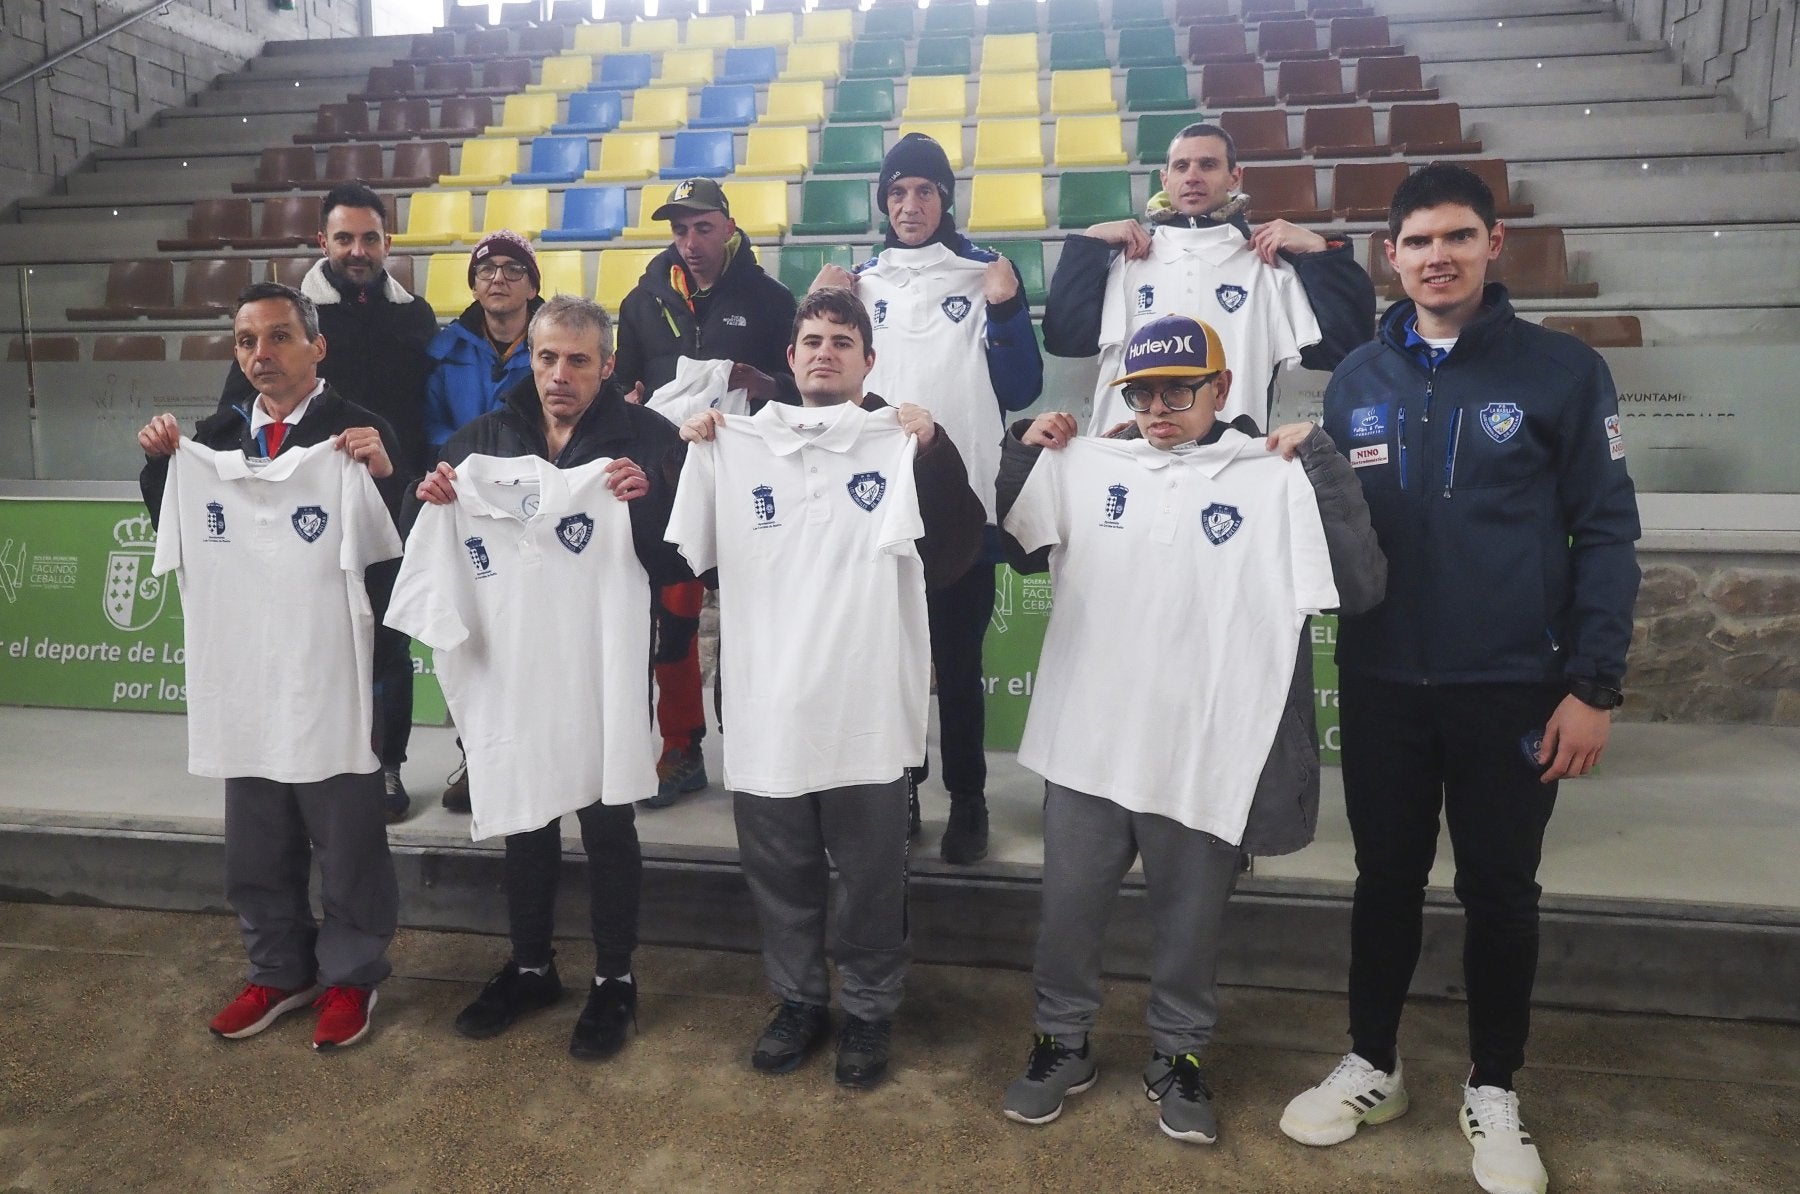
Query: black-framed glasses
x=512 y=271
x=1176 y=397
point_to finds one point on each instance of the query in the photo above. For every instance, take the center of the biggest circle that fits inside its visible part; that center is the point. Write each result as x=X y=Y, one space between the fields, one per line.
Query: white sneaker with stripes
x=1355 y=1093
x=1506 y=1161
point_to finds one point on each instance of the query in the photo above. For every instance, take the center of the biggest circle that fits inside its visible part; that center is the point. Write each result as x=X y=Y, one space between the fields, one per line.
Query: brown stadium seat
x=336 y=122
x=290 y=271
x=52 y=349
x=288 y=221
x=1600 y=331
x=1284 y=193
x=1280 y=38
x=1429 y=129
x=1202 y=12
x=1354 y=37
x=118 y=347
x=1329 y=10
x=1534 y=263
x=399 y=119
x=463 y=116
x=134 y=289
x=447 y=78
x=398 y=81
x=209 y=288
x=282 y=168
x=1260 y=134
x=1234 y=85
x=1262 y=10
x=523 y=12
x=206 y=346
x=487 y=43
x=1392 y=78
x=417 y=164
x=1493 y=172
x=433 y=47
x=211 y=222
x=1312 y=81
x=1363 y=190
x=543 y=39
x=1342 y=133
x=400 y=267
x=504 y=76
x=353 y=162
x=1218 y=43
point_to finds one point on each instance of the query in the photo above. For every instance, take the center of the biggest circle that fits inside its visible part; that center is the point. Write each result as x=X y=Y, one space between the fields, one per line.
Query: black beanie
x=916 y=156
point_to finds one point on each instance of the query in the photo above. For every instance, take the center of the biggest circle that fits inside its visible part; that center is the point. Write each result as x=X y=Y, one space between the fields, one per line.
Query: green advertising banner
x=83 y=624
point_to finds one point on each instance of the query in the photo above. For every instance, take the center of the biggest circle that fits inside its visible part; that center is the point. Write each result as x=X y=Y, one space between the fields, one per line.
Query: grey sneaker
x=862 y=1057
x=1186 y=1101
x=1156 y=1075
x=1052 y=1073
x=790 y=1037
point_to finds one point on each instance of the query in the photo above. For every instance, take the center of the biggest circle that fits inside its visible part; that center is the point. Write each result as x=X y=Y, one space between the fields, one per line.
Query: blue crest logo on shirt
x=1501 y=420
x=1369 y=422
x=309 y=522
x=867 y=489
x=1220 y=522
x=215 y=519
x=764 y=503
x=1146 y=297
x=1231 y=297
x=478 y=555
x=957 y=307
x=879 y=312
x=1115 y=505
x=575 y=531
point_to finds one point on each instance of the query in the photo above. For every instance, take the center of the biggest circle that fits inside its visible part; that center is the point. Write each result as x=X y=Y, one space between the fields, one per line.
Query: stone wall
x=1716 y=639
x=1751 y=46
x=99 y=97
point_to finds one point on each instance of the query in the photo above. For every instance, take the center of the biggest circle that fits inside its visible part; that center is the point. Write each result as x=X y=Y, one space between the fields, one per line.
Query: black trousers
x=393 y=672
x=959 y=615
x=1407 y=751
x=615 y=874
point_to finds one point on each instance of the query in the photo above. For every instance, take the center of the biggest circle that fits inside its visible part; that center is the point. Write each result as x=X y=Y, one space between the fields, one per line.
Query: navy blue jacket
x=1498 y=489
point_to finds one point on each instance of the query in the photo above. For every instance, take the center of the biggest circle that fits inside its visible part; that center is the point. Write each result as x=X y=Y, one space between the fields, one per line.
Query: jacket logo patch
x=867 y=489
x=762 y=501
x=575 y=531
x=1615 y=439
x=1231 y=297
x=478 y=556
x=1220 y=522
x=1146 y=298
x=735 y=321
x=1115 y=505
x=1369 y=422
x=957 y=307
x=309 y=522
x=1501 y=420
x=215 y=520
x=879 y=313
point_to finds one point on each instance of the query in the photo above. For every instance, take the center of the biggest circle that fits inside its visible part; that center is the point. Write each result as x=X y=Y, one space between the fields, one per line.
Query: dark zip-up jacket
x=1498 y=487
x=468 y=377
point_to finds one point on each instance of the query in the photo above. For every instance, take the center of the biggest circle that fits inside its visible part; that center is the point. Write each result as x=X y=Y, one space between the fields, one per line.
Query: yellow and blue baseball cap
x=1173 y=346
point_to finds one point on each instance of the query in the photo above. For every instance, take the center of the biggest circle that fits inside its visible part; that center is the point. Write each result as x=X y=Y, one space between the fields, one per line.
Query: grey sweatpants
x=1089 y=845
x=786 y=846
x=271 y=832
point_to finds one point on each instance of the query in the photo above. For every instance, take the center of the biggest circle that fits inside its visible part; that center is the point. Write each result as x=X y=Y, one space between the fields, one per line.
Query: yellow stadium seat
x=768 y=29
x=625 y=157
x=1009 y=51
x=1082 y=91
x=1007 y=203
x=1011 y=94
x=1008 y=144
x=649 y=198
x=827 y=26
x=1089 y=141
x=564 y=73
x=447 y=283
x=937 y=97
x=685 y=68
x=608 y=38
x=711 y=31
x=795 y=102
x=657 y=108
x=436 y=218
x=562 y=271
x=525 y=116
x=948 y=133
x=654 y=35
x=486 y=162
x=619 y=271
x=524 y=210
x=779 y=150
x=760 y=208
x=821 y=60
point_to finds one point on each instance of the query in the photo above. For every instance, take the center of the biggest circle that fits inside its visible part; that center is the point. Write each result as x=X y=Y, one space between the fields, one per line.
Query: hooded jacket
x=468 y=377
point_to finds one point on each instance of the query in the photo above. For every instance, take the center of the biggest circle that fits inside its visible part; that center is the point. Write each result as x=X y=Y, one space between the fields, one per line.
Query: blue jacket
x=1497 y=485
x=470 y=378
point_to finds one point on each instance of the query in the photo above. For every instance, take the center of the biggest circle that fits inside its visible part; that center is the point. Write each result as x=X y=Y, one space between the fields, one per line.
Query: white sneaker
x=1506 y=1161
x=1354 y=1094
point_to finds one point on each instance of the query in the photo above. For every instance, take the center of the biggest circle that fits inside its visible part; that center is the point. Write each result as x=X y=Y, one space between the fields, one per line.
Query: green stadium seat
x=881 y=59
x=850 y=149
x=834 y=207
x=1027 y=257
x=941 y=56
x=1012 y=16
x=1148 y=45
x=1078 y=49
x=1138 y=12
x=889 y=20
x=950 y=20
x=1089 y=197
x=800 y=264
x=1156 y=129
x=1072 y=14
x=862 y=100
x=1157 y=89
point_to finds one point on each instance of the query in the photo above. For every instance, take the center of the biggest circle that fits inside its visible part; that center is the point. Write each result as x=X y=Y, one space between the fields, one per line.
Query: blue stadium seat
x=592 y=112
x=625 y=72
x=726 y=107
x=590 y=213
x=701 y=155
x=555 y=159
x=749 y=64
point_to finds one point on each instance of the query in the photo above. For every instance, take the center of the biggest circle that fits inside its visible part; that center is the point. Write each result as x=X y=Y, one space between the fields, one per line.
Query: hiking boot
x=966 y=836
x=256 y=1007
x=1353 y=1094
x=343 y=1017
x=862 y=1056
x=1185 y=1100
x=797 y=1029
x=456 y=791
x=600 y=1029
x=678 y=772
x=394 y=800
x=507 y=996
x=1052 y=1073
x=1506 y=1161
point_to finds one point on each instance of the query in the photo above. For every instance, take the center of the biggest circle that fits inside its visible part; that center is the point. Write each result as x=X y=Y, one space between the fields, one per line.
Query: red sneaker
x=257 y=1007
x=343 y=1017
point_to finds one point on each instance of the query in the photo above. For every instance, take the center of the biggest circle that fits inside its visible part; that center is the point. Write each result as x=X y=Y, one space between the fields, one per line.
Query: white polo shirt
x=811 y=516
x=280 y=636
x=530 y=594
x=1181 y=582
x=1260 y=312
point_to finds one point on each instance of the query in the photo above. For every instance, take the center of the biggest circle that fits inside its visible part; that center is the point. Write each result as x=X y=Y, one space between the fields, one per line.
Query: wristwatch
x=1595 y=693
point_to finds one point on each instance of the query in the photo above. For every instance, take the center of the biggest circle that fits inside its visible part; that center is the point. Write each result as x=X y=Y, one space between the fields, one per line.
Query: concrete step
x=1552 y=40
x=271 y=98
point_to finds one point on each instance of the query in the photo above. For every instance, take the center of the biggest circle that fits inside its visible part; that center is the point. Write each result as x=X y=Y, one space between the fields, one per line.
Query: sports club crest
x=879 y=313
x=957 y=307
x=1501 y=420
x=133 y=598
x=867 y=489
x=309 y=522
x=1220 y=522
x=763 y=499
x=1146 y=298
x=215 y=520
x=478 y=555
x=575 y=531
x=1231 y=297
x=1115 y=505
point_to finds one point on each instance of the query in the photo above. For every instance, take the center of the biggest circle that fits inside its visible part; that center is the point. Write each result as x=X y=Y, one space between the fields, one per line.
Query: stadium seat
x=1154 y=132
x=795 y=102
x=282 y=168
x=417 y=164
x=821 y=25
x=864 y=100
x=1006 y=203
x=1534 y=263
x=443 y=79
x=1126 y=13
x=503 y=76
x=1363 y=190
x=941 y=56
x=440 y=44
x=625 y=157
x=1312 y=81
x=760 y=208
x=1217 y=43
x=1234 y=85
x=1355 y=37
x=885 y=59
x=524 y=210
x=726 y=107
x=685 y=68
x=1007 y=17
x=942 y=97
x=599 y=38
x=363 y=160
x=486 y=162
x=1201 y=12
x=1009 y=94
x=562 y=272
x=749 y=64
x=1391 y=79
x=949 y=20
x=1072 y=14
x=592 y=112
x=398 y=118
x=822 y=60
x=1493 y=172
x=1347 y=132
x=1260 y=10
x=889 y=20
x=336 y=122
x=1429 y=129
x=1260 y=134
x=1600 y=331
x=206 y=346
x=1157 y=89
x=1007 y=144
x=1088 y=197
x=209 y=288
x=947 y=133
x=1279 y=40
x=589 y=213
x=288 y=222
x=701 y=154
x=1027 y=256
x=447 y=284
x=1284 y=193
x=463 y=116
x=800 y=264
x=437 y=218
x=487 y=43
x=1148 y=45
x=658 y=109
x=1090 y=141
x=768 y=29
x=1009 y=52
x=540 y=40
x=653 y=35
x=848 y=149
x=625 y=72
x=397 y=81
x=1078 y=49
x=211 y=222
x=780 y=150
x=619 y=271
x=834 y=207
x=1079 y=91
x=563 y=74
x=525 y=116
x=55 y=348
x=116 y=347
x=709 y=32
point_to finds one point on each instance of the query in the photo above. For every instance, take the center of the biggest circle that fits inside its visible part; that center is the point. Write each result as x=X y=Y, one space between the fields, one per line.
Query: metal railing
x=93 y=40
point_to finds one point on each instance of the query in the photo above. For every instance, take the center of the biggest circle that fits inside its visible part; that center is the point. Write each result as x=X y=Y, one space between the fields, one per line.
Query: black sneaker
x=394 y=800
x=912 y=804
x=862 y=1057
x=600 y=1029
x=797 y=1029
x=456 y=789
x=966 y=836
x=508 y=995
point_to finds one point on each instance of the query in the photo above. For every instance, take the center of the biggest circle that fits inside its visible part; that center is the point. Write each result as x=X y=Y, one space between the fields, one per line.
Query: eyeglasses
x=511 y=270
x=1179 y=396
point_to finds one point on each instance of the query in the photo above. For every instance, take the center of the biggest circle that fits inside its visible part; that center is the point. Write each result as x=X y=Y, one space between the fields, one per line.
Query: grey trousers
x=271 y=832
x=786 y=847
x=1089 y=845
